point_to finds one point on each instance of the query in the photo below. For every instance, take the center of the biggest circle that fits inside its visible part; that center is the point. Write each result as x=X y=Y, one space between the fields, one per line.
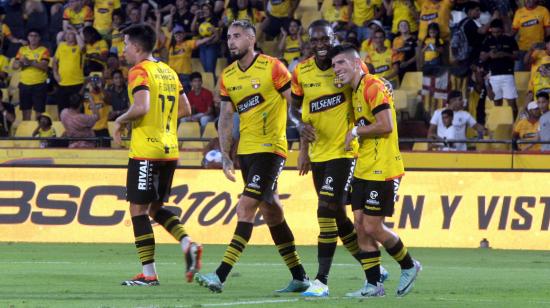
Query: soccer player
x=157 y=101
x=326 y=119
x=379 y=169
x=256 y=87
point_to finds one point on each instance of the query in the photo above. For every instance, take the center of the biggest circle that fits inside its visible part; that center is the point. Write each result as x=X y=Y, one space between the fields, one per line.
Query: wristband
x=354 y=132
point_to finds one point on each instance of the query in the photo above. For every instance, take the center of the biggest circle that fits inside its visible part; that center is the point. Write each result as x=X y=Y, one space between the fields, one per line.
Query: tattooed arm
x=225 y=128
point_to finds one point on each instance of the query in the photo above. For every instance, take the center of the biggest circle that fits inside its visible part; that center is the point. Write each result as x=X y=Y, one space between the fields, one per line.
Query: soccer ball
x=206 y=29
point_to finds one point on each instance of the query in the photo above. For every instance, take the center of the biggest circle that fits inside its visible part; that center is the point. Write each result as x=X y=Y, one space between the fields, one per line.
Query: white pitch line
x=486 y=300
x=267 y=301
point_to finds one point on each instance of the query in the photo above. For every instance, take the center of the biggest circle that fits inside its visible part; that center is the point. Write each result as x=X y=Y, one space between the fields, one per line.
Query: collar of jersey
x=359 y=84
x=255 y=57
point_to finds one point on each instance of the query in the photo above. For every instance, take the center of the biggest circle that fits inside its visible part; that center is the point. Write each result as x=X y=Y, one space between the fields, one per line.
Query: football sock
x=284 y=239
x=401 y=255
x=145 y=242
x=346 y=232
x=171 y=223
x=371 y=265
x=326 y=242
x=235 y=249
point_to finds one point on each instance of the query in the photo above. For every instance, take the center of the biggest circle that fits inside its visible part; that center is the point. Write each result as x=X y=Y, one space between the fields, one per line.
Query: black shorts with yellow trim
x=332 y=180
x=149 y=180
x=375 y=198
x=260 y=173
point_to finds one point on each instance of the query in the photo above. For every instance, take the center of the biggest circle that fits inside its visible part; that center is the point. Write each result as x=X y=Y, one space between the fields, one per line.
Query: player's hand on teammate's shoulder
x=228 y=168
x=307 y=132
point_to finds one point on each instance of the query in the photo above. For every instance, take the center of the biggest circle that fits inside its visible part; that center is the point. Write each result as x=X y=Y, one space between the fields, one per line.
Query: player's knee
x=372 y=229
x=246 y=209
x=272 y=213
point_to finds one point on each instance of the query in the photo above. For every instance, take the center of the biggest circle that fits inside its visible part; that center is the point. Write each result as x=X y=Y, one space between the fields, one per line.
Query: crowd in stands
x=69 y=54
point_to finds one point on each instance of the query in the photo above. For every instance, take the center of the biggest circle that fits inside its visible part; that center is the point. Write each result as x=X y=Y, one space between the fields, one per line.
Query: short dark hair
x=143 y=35
x=33 y=30
x=245 y=24
x=471 y=5
x=195 y=75
x=319 y=23
x=497 y=23
x=339 y=49
x=448 y=112
x=117 y=72
x=75 y=101
x=454 y=94
x=543 y=95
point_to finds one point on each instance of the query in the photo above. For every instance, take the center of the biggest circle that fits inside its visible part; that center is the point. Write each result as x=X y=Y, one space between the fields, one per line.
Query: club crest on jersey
x=249 y=102
x=338 y=82
x=326 y=102
x=255 y=83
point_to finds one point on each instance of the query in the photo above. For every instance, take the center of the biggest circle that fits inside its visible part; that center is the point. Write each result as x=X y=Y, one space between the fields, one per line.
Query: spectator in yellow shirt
x=527 y=129
x=95 y=99
x=33 y=61
x=532 y=24
x=179 y=54
x=68 y=70
x=337 y=15
x=278 y=15
x=383 y=59
x=432 y=49
x=45 y=130
x=103 y=15
x=402 y=10
x=290 y=43
x=96 y=51
x=362 y=12
x=405 y=47
x=435 y=11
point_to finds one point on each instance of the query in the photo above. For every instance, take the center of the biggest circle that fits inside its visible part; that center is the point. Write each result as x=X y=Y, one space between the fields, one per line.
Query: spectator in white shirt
x=445 y=133
x=461 y=118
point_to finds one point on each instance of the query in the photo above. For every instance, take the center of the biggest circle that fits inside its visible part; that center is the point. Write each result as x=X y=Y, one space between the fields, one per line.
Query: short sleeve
x=296 y=86
x=45 y=55
x=376 y=96
x=516 y=22
x=470 y=119
x=436 y=117
x=66 y=14
x=89 y=14
x=191 y=44
x=280 y=76
x=546 y=18
x=103 y=48
x=224 y=95
x=138 y=79
x=6 y=30
x=19 y=54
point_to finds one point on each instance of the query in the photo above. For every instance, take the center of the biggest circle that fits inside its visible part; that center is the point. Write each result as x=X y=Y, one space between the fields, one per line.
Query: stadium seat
x=499 y=115
x=270 y=48
x=7 y=143
x=522 y=80
x=196 y=65
x=420 y=146
x=208 y=81
x=412 y=81
x=310 y=16
x=189 y=130
x=59 y=128
x=53 y=112
x=221 y=64
x=502 y=132
x=400 y=99
x=210 y=131
x=25 y=129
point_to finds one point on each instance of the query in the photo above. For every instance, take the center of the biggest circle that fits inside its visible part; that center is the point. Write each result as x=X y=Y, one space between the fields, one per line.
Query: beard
x=239 y=55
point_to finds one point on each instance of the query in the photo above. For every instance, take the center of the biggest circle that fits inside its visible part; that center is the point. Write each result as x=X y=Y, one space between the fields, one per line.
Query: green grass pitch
x=88 y=275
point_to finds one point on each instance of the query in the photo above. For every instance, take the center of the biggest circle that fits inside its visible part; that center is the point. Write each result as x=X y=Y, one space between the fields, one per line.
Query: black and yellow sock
x=284 y=239
x=171 y=223
x=242 y=235
x=346 y=232
x=145 y=239
x=326 y=242
x=400 y=253
x=371 y=265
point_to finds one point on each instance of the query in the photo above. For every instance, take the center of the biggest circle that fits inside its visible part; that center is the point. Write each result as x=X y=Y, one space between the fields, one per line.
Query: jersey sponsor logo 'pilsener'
x=529 y=23
x=428 y=17
x=249 y=102
x=326 y=102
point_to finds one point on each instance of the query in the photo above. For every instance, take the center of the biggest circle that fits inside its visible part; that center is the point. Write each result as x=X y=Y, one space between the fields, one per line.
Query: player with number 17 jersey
x=154 y=137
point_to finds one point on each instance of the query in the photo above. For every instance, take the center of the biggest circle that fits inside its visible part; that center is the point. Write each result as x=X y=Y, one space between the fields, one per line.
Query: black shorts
x=274 y=25
x=332 y=180
x=33 y=97
x=149 y=181
x=260 y=173
x=375 y=198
